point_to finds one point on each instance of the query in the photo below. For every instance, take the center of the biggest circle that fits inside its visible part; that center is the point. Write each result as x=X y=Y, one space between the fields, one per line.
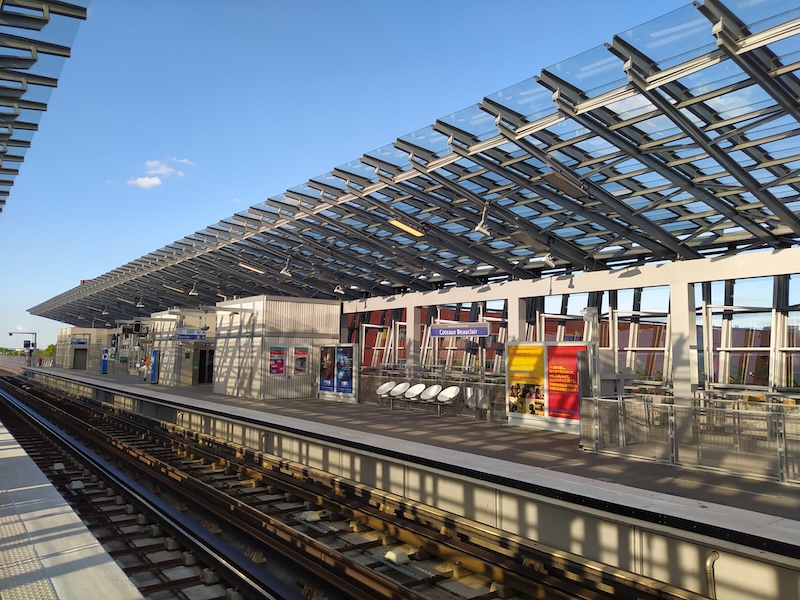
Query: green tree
x=49 y=351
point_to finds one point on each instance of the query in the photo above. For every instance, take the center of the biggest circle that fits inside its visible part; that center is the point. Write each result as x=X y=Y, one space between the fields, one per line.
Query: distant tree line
x=49 y=351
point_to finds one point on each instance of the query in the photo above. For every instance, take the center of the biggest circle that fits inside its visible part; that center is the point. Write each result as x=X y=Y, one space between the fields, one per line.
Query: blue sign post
x=104 y=362
x=154 y=367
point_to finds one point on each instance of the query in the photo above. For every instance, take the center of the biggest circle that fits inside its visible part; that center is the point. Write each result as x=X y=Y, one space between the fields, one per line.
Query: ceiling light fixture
x=193 y=291
x=338 y=289
x=285 y=270
x=105 y=311
x=481 y=226
x=549 y=260
x=406 y=228
x=253 y=269
x=140 y=303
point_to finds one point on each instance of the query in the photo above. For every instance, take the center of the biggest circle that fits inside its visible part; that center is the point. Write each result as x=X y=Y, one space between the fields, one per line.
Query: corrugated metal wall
x=244 y=340
x=162 y=333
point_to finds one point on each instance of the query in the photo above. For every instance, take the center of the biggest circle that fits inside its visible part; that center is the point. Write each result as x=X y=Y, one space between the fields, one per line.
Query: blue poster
x=344 y=369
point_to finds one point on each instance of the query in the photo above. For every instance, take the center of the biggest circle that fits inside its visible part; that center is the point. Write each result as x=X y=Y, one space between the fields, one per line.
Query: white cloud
x=21 y=328
x=157 y=171
x=156 y=167
x=145 y=182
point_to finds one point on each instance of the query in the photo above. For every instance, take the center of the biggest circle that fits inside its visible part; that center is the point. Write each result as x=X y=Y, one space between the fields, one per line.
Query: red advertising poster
x=277 y=360
x=563 y=395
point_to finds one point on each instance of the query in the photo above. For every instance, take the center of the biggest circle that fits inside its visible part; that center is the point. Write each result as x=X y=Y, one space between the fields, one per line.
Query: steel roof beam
x=730 y=165
x=755 y=63
x=672 y=175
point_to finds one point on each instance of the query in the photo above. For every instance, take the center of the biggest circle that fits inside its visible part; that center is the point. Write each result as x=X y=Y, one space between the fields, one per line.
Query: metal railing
x=750 y=438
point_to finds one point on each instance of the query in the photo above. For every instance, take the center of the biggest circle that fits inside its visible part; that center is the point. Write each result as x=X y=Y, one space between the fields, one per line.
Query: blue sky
x=173 y=114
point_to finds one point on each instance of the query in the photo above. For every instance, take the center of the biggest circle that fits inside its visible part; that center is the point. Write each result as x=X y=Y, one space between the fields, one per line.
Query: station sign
x=461 y=330
x=191 y=334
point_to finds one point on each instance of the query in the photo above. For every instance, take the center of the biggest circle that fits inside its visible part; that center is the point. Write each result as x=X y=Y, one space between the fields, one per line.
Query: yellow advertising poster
x=525 y=377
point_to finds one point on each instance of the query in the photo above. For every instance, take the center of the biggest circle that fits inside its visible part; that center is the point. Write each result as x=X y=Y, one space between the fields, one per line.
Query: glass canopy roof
x=35 y=39
x=676 y=140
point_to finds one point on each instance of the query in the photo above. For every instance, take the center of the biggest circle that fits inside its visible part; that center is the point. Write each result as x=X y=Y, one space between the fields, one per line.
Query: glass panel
x=475 y=121
x=759 y=16
x=594 y=72
x=793 y=329
x=755 y=291
x=649 y=365
x=552 y=304
x=751 y=330
x=749 y=368
x=550 y=330
x=652 y=333
x=673 y=38
x=527 y=98
x=794 y=290
x=577 y=302
x=792 y=369
x=430 y=140
x=624 y=336
x=701 y=355
x=573 y=330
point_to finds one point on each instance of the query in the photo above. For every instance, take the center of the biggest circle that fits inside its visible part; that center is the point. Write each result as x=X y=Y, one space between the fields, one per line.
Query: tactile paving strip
x=22 y=576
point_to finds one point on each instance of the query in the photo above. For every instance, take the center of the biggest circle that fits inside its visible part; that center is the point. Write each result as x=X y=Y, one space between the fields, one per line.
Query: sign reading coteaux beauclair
x=460 y=330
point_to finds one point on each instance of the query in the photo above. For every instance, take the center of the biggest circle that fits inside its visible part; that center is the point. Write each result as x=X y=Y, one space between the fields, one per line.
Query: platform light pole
x=32 y=350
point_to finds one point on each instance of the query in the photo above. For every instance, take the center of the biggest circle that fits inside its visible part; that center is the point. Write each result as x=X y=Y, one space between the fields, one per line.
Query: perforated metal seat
x=446 y=397
x=385 y=388
x=414 y=391
x=429 y=393
x=398 y=391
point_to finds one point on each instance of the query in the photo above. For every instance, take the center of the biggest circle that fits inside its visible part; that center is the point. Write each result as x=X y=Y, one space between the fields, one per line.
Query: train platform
x=761 y=507
x=46 y=552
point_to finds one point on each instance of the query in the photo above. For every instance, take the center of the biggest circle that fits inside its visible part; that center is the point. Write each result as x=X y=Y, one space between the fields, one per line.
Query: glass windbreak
x=754 y=291
x=649 y=365
x=751 y=330
x=748 y=368
x=652 y=333
x=792 y=369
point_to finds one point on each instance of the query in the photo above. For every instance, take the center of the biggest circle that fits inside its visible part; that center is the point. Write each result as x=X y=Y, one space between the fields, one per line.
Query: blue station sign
x=191 y=334
x=461 y=330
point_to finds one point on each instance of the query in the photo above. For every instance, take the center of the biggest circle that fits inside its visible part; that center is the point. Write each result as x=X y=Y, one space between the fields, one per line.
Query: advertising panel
x=327 y=369
x=525 y=366
x=277 y=360
x=344 y=369
x=563 y=395
x=300 y=360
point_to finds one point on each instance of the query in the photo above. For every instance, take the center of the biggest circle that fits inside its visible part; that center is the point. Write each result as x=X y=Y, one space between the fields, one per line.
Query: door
x=206 y=367
x=79 y=359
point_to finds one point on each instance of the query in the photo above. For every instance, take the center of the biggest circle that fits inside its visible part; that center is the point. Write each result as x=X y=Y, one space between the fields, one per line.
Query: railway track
x=271 y=526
